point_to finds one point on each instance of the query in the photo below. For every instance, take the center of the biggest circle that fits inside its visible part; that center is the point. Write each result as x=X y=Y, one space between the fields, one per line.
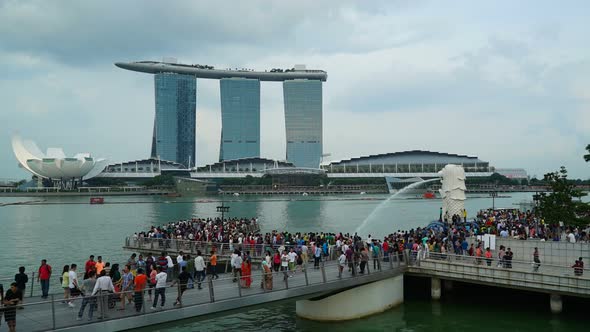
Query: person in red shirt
x=140 y=284
x=90 y=265
x=43 y=277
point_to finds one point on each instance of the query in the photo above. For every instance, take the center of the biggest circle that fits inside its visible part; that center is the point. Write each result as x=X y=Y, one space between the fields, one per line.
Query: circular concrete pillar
x=556 y=303
x=435 y=291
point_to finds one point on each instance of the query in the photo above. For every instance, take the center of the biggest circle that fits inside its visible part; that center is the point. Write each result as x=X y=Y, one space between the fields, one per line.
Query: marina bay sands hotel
x=174 y=136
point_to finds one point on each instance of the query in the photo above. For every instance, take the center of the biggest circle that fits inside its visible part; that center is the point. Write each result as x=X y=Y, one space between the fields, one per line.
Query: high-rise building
x=240 y=118
x=303 y=121
x=175 y=122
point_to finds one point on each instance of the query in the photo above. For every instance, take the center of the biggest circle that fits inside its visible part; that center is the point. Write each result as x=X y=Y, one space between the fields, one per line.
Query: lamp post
x=494 y=194
x=223 y=209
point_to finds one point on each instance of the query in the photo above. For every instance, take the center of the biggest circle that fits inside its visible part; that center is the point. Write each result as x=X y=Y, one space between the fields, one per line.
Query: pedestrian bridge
x=216 y=296
x=312 y=288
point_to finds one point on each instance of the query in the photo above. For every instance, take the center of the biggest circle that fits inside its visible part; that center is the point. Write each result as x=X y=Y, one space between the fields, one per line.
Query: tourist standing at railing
x=276 y=261
x=364 y=259
x=285 y=265
x=65 y=283
x=160 y=289
x=152 y=280
x=246 y=276
x=213 y=265
x=141 y=263
x=508 y=258
x=267 y=276
x=341 y=264
x=199 y=269
x=501 y=254
x=536 y=260
x=10 y=300
x=132 y=263
x=87 y=289
x=102 y=289
x=99 y=265
x=292 y=261
x=73 y=284
x=236 y=264
x=488 y=255
x=169 y=267
x=89 y=266
x=21 y=280
x=578 y=267
x=126 y=286
x=43 y=276
x=139 y=285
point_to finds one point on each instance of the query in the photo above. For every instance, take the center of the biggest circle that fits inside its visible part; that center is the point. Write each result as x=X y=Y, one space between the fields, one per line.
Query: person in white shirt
x=170 y=265
x=571 y=238
x=73 y=285
x=200 y=268
x=341 y=264
x=160 y=288
x=285 y=265
x=103 y=286
x=179 y=259
x=292 y=259
x=236 y=263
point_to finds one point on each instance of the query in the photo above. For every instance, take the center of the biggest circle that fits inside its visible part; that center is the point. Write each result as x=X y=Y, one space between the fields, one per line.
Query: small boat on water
x=429 y=195
x=96 y=200
x=172 y=195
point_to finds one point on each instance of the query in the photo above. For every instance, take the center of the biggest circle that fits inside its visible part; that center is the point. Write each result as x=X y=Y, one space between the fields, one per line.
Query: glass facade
x=303 y=122
x=240 y=118
x=175 y=123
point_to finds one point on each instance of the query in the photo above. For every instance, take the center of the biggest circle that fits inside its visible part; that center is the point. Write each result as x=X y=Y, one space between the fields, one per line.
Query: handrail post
x=211 y=293
x=323 y=269
x=32 y=283
x=368 y=269
x=390 y=261
x=287 y=283
x=306 y=278
x=53 y=311
x=240 y=286
x=143 y=301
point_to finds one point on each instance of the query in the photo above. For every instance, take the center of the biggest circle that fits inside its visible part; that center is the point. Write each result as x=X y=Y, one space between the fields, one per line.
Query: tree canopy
x=563 y=203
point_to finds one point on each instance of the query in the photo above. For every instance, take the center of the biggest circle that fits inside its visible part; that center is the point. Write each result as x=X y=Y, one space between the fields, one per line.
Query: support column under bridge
x=375 y=297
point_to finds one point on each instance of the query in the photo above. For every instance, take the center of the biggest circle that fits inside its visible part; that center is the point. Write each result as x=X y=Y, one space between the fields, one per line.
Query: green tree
x=587 y=156
x=560 y=204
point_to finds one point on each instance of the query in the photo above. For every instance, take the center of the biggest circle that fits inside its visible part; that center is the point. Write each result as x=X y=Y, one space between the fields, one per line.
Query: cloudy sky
x=508 y=81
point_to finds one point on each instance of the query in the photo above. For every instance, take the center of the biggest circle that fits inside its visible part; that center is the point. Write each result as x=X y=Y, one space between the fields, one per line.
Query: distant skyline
x=508 y=82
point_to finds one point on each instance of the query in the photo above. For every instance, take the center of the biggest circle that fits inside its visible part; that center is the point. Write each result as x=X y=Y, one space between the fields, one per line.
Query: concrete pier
x=435 y=290
x=375 y=297
x=555 y=303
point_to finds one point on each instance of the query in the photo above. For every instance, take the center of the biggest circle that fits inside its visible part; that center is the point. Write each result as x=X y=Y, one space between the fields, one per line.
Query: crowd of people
x=104 y=286
x=516 y=224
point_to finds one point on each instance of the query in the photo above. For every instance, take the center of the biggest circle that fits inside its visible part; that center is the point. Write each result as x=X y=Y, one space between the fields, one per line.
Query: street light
x=223 y=209
x=494 y=194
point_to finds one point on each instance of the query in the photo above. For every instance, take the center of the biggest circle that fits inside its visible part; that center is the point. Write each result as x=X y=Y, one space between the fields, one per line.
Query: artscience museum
x=54 y=165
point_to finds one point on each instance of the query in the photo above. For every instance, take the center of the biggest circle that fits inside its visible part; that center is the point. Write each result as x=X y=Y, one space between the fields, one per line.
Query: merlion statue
x=452 y=191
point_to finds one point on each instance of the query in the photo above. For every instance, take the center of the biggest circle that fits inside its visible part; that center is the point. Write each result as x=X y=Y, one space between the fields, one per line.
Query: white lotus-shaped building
x=54 y=164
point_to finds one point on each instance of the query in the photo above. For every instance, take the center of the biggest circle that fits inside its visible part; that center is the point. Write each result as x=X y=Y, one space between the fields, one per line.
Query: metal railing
x=54 y=314
x=415 y=258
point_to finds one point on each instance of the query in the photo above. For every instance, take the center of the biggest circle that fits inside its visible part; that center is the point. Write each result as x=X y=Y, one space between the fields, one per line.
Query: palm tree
x=587 y=156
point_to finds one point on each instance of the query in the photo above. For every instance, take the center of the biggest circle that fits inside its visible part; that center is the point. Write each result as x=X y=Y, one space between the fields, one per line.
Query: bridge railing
x=416 y=258
x=201 y=290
